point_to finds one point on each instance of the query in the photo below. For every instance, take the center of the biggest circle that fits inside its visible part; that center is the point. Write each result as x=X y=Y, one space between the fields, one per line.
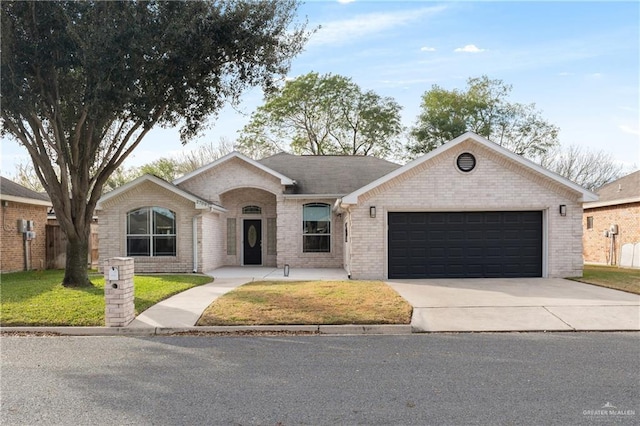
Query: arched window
x=251 y=210
x=151 y=231
x=316 y=228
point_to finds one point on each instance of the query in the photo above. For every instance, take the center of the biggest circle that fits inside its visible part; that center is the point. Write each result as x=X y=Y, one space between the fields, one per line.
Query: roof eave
x=586 y=195
x=608 y=203
x=284 y=180
x=23 y=200
x=199 y=203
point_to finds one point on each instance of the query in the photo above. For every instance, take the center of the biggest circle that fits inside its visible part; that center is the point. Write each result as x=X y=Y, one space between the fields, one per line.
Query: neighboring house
x=619 y=205
x=24 y=218
x=468 y=209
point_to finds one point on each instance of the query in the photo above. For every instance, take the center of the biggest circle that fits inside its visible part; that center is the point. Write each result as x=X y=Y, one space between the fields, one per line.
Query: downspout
x=195 y=242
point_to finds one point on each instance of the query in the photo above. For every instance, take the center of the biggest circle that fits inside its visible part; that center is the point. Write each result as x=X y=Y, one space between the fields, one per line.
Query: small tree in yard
x=84 y=82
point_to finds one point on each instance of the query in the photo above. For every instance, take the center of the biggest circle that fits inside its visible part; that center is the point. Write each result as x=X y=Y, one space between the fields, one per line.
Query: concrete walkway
x=184 y=309
x=522 y=304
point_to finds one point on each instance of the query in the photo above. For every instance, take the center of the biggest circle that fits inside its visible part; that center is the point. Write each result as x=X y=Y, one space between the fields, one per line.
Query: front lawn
x=309 y=302
x=611 y=277
x=36 y=298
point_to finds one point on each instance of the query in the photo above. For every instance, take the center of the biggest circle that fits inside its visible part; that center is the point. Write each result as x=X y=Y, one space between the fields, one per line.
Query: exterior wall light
x=563 y=209
x=372 y=211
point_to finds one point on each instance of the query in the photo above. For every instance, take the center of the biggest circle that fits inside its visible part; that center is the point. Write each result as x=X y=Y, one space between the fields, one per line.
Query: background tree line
x=331 y=115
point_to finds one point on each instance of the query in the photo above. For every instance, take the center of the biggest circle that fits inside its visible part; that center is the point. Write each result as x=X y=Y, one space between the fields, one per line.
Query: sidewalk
x=451 y=305
x=517 y=304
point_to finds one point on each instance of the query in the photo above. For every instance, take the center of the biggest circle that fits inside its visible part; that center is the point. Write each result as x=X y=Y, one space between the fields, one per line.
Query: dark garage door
x=465 y=244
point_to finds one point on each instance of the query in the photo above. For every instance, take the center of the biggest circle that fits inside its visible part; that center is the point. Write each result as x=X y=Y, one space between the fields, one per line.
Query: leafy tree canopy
x=484 y=109
x=320 y=115
x=83 y=83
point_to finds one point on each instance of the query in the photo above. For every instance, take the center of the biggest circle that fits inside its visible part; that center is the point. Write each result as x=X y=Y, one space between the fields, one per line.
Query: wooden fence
x=57 y=247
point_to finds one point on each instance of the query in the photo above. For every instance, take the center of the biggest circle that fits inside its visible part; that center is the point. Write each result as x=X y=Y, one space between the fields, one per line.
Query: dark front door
x=465 y=244
x=252 y=242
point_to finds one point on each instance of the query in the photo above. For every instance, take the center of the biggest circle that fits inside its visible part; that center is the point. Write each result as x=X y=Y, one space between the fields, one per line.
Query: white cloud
x=346 y=1
x=361 y=26
x=427 y=49
x=565 y=73
x=630 y=130
x=469 y=48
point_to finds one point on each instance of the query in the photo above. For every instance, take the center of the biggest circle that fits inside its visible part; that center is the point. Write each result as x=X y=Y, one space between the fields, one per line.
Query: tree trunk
x=76 y=273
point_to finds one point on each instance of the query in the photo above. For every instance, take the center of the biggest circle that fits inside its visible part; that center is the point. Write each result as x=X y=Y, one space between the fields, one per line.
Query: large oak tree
x=84 y=82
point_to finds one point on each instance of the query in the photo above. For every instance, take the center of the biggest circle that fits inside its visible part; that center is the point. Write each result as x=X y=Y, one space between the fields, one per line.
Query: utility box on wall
x=118 y=291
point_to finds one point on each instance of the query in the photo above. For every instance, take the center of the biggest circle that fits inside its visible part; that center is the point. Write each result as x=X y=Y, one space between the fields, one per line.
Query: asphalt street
x=438 y=379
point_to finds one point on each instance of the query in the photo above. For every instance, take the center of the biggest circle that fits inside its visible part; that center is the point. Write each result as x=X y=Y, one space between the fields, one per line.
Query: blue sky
x=577 y=61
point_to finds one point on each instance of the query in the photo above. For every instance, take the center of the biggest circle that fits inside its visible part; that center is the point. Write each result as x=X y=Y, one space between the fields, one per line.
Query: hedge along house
x=468 y=209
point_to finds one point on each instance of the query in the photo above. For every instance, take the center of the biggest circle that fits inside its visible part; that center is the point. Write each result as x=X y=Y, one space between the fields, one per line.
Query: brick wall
x=210 y=242
x=597 y=247
x=290 y=237
x=13 y=246
x=113 y=221
x=496 y=183
x=234 y=200
x=232 y=174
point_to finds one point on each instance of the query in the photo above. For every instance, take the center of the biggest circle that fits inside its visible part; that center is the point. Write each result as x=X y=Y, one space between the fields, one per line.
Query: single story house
x=24 y=220
x=617 y=210
x=467 y=209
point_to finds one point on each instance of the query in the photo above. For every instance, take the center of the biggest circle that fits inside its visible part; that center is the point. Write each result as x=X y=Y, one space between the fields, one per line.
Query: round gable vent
x=466 y=162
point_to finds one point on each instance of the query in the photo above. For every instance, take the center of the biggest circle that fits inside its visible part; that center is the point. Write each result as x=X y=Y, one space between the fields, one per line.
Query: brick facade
x=290 y=214
x=13 y=244
x=497 y=183
x=597 y=247
x=358 y=242
x=113 y=221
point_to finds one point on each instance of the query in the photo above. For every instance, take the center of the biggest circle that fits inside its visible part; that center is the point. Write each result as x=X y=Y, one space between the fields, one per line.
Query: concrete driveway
x=522 y=304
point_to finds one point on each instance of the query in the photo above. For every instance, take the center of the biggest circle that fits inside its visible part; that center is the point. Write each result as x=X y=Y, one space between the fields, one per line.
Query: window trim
x=252 y=209
x=327 y=234
x=589 y=222
x=151 y=235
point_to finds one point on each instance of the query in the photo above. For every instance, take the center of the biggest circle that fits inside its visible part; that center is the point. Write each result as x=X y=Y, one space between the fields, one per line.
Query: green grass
x=611 y=277
x=36 y=298
x=309 y=302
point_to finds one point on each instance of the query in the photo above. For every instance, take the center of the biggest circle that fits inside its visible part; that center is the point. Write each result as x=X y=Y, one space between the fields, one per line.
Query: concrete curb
x=349 y=329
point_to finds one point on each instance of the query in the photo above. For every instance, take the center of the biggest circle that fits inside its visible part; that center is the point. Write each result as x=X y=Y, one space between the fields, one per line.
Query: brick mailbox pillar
x=118 y=291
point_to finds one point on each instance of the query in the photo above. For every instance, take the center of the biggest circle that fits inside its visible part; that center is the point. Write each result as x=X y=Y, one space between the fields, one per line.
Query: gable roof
x=622 y=191
x=200 y=203
x=11 y=191
x=284 y=180
x=334 y=175
x=587 y=195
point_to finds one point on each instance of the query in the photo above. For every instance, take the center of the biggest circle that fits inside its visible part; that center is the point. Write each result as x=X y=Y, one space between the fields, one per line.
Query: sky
x=578 y=61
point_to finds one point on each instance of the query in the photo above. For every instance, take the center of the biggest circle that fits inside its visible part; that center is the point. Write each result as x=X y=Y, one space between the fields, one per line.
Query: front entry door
x=252 y=242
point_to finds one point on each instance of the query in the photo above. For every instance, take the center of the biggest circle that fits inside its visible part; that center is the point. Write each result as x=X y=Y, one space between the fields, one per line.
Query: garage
x=490 y=244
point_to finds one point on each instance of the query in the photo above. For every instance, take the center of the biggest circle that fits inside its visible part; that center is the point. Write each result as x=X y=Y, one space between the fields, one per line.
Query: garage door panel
x=465 y=244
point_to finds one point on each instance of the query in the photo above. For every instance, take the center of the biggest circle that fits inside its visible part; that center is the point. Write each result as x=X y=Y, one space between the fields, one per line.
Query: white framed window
x=151 y=231
x=316 y=228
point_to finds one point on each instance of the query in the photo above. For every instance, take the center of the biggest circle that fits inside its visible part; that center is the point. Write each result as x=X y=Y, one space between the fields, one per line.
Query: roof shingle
x=623 y=188
x=329 y=174
x=9 y=187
